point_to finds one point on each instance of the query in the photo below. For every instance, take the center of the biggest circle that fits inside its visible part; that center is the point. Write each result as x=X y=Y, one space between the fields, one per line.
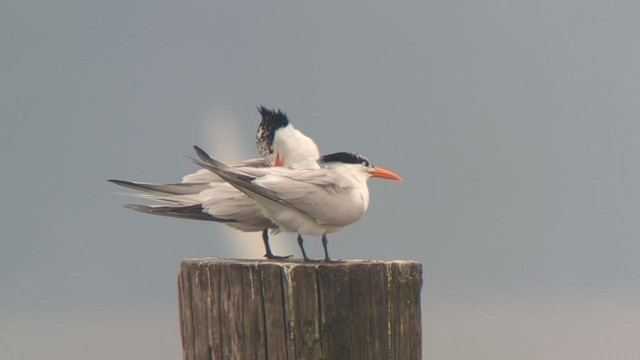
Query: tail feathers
x=195 y=212
x=182 y=200
x=208 y=159
x=165 y=189
x=218 y=167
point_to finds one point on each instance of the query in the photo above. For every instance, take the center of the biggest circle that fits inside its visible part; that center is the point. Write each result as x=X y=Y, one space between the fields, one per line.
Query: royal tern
x=306 y=201
x=205 y=196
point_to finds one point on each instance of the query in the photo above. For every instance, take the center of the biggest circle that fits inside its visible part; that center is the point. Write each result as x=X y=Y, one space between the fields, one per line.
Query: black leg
x=324 y=245
x=269 y=254
x=265 y=238
x=304 y=253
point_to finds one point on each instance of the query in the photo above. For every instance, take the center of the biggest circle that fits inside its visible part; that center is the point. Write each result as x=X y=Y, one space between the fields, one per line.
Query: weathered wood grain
x=266 y=310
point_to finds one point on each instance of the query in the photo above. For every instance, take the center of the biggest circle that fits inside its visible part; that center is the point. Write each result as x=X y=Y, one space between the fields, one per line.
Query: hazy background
x=516 y=126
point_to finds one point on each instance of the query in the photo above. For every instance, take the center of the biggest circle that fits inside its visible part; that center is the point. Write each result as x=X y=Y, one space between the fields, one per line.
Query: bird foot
x=277 y=257
x=326 y=261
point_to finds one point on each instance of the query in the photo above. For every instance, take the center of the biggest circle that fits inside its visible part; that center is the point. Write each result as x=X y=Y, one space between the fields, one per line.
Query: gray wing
x=183 y=195
x=226 y=202
x=206 y=176
x=240 y=180
x=321 y=194
x=195 y=212
x=254 y=163
x=171 y=189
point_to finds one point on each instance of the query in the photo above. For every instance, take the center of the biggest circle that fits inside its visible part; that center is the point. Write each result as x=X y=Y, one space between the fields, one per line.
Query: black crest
x=272 y=120
x=347 y=158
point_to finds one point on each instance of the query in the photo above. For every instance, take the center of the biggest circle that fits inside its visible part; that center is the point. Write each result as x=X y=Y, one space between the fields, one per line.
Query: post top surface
x=293 y=262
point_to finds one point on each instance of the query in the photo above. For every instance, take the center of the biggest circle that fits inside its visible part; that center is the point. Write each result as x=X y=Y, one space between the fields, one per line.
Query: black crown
x=346 y=157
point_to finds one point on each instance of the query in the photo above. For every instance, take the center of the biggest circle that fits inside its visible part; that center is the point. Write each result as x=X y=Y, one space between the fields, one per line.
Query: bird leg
x=269 y=254
x=324 y=245
x=304 y=253
x=326 y=252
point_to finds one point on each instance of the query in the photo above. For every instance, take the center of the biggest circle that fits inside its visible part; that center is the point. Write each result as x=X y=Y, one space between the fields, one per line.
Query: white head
x=356 y=164
x=282 y=144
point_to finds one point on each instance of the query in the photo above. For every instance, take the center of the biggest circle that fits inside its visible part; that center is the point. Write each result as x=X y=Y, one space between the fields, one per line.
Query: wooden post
x=261 y=309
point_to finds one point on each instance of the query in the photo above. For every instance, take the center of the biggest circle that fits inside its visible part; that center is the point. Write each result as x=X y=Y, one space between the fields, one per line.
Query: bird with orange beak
x=310 y=201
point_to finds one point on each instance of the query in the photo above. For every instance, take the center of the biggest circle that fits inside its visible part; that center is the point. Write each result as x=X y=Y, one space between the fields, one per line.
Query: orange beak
x=384 y=174
x=278 y=161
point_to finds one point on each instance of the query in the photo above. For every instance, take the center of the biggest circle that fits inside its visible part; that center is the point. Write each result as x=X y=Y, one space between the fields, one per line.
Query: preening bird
x=314 y=201
x=203 y=195
x=281 y=144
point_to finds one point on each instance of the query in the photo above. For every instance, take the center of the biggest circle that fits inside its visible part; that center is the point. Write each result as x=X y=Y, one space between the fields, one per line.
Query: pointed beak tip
x=385 y=174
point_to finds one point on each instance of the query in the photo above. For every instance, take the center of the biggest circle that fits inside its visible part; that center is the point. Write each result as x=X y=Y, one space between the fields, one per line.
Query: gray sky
x=514 y=124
